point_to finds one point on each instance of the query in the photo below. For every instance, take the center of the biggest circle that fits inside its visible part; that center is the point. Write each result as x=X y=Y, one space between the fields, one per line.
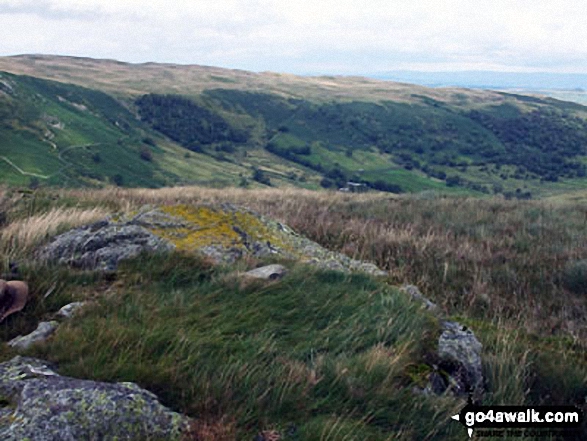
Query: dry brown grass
x=222 y=429
x=289 y=198
x=132 y=79
x=21 y=235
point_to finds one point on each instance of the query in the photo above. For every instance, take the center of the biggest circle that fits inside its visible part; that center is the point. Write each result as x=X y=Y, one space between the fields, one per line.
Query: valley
x=70 y=121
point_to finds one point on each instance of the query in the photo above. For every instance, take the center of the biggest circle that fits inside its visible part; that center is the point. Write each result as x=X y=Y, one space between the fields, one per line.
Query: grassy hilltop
x=80 y=121
x=319 y=355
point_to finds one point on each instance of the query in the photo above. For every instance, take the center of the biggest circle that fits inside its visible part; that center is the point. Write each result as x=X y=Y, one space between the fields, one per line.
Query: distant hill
x=79 y=121
x=566 y=87
x=490 y=79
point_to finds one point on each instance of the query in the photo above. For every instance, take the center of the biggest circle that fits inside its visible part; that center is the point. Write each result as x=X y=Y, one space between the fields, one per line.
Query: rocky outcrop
x=223 y=233
x=44 y=406
x=43 y=332
x=102 y=245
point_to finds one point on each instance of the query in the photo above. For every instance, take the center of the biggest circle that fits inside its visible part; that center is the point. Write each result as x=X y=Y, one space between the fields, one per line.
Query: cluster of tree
x=542 y=142
x=260 y=176
x=291 y=152
x=186 y=122
x=298 y=155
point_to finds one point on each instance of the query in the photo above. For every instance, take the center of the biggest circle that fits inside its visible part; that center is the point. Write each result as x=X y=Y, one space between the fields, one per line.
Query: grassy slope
x=413 y=118
x=66 y=135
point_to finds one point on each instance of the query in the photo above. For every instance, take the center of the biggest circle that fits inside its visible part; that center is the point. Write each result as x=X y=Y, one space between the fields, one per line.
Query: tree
x=145 y=154
x=260 y=177
x=118 y=180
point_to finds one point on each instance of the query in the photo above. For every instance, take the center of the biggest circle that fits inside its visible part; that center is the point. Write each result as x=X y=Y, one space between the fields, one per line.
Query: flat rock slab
x=71 y=309
x=268 y=272
x=50 y=407
x=43 y=332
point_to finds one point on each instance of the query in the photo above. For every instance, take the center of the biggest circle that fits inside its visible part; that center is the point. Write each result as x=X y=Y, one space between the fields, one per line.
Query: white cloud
x=307 y=35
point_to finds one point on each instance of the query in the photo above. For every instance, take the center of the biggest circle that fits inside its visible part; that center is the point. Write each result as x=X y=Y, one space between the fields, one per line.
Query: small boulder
x=269 y=272
x=68 y=311
x=416 y=295
x=459 y=352
x=39 y=335
x=45 y=406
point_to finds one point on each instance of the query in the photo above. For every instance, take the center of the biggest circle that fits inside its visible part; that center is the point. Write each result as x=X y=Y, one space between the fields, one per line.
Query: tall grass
x=22 y=235
x=321 y=355
x=490 y=258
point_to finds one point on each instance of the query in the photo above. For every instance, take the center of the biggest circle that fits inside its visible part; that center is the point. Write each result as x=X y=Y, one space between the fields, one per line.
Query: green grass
x=320 y=351
x=318 y=355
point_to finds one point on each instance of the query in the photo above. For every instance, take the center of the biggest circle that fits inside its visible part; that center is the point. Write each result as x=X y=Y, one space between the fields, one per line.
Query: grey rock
x=221 y=254
x=368 y=268
x=102 y=245
x=43 y=332
x=68 y=311
x=416 y=295
x=268 y=272
x=45 y=406
x=460 y=355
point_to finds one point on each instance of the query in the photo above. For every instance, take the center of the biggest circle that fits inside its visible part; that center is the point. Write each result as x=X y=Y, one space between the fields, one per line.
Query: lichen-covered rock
x=43 y=332
x=102 y=245
x=45 y=406
x=267 y=272
x=223 y=233
x=460 y=355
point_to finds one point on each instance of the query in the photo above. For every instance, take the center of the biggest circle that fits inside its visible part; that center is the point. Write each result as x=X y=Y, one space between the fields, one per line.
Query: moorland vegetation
x=319 y=354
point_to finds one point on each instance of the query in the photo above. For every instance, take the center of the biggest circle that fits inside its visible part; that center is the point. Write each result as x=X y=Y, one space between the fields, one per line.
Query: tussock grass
x=322 y=354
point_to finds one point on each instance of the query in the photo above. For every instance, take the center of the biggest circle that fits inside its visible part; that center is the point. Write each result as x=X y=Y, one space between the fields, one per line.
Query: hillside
x=78 y=121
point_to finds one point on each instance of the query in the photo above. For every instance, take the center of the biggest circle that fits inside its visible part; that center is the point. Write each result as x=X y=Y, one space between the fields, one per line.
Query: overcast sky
x=307 y=36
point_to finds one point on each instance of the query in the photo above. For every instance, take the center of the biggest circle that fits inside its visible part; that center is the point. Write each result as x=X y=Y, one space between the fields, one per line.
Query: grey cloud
x=47 y=11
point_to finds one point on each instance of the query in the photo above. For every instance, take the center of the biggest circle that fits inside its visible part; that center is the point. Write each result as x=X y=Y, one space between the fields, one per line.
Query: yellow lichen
x=206 y=226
